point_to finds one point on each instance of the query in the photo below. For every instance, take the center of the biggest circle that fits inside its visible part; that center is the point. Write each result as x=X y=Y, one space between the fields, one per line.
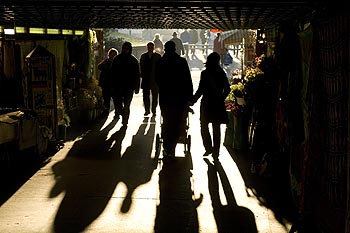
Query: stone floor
x=109 y=179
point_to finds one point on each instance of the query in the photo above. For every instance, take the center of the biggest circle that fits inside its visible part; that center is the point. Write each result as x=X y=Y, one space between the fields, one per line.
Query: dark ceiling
x=165 y=14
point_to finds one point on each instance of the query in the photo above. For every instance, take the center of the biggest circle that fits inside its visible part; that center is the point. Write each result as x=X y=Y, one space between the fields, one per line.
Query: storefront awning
x=236 y=36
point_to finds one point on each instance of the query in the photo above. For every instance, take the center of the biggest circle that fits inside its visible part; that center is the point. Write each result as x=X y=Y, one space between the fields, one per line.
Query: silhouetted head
x=150 y=46
x=169 y=46
x=127 y=48
x=112 y=53
x=213 y=60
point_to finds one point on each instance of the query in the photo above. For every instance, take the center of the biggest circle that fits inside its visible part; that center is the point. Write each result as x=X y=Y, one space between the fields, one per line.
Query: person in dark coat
x=148 y=62
x=213 y=88
x=185 y=38
x=175 y=91
x=126 y=81
x=179 y=46
x=193 y=40
x=105 y=79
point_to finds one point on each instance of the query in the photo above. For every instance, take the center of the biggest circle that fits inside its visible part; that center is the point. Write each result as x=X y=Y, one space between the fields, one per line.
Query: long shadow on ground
x=92 y=169
x=272 y=188
x=177 y=210
x=229 y=217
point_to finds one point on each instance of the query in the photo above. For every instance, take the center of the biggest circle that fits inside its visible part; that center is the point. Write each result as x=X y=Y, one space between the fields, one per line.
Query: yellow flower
x=237 y=90
x=252 y=73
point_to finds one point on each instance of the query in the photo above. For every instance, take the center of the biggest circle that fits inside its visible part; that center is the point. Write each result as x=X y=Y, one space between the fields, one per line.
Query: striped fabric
x=328 y=169
x=236 y=36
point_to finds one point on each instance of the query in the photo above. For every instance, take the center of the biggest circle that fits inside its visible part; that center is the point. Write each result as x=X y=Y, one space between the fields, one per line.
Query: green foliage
x=116 y=39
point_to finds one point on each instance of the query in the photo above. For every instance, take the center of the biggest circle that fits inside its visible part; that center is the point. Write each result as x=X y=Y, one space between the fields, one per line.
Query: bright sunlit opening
x=37 y=30
x=79 y=32
x=9 y=31
x=67 y=32
x=53 y=31
x=20 y=30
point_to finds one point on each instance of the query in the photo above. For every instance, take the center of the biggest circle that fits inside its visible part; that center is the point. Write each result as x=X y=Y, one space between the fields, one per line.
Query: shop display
x=41 y=86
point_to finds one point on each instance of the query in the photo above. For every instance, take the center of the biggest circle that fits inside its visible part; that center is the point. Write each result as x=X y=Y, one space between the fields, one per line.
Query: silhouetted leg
x=206 y=137
x=146 y=100
x=186 y=49
x=154 y=99
x=171 y=128
x=127 y=98
x=118 y=106
x=166 y=131
x=216 y=139
x=106 y=95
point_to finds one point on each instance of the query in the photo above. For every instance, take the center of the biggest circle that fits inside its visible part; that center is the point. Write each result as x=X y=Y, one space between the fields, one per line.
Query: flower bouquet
x=235 y=109
x=254 y=79
x=237 y=93
x=252 y=73
x=237 y=90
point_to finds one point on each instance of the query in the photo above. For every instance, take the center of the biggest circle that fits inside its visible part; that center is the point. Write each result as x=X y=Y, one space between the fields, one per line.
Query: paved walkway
x=108 y=180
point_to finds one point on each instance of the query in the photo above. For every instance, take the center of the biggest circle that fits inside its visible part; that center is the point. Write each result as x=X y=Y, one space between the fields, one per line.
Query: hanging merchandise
x=41 y=86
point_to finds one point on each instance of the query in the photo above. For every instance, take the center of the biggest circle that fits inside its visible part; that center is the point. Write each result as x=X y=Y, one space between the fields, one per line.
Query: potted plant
x=96 y=90
x=237 y=129
x=63 y=121
x=87 y=103
x=86 y=99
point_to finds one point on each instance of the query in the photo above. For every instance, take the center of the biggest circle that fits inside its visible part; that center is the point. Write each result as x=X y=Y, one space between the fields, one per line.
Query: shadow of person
x=87 y=178
x=243 y=167
x=92 y=169
x=95 y=143
x=230 y=217
x=137 y=164
x=177 y=210
x=195 y=63
x=273 y=191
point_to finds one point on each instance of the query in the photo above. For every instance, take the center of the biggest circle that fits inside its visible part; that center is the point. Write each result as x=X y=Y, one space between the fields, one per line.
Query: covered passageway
x=83 y=187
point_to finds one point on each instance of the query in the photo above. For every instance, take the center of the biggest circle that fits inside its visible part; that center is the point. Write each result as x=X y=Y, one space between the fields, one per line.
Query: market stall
x=19 y=131
x=251 y=108
x=241 y=40
x=237 y=36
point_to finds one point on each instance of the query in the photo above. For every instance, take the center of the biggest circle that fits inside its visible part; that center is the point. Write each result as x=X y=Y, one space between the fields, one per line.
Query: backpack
x=227 y=58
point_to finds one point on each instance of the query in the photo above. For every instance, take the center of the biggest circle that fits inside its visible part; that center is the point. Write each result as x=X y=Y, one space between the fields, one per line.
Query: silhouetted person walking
x=105 y=79
x=219 y=47
x=193 y=40
x=175 y=91
x=148 y=62
x=179 y=47
x=185 y=38
x=126 y=81
x=214 y=88
x=204 y=35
